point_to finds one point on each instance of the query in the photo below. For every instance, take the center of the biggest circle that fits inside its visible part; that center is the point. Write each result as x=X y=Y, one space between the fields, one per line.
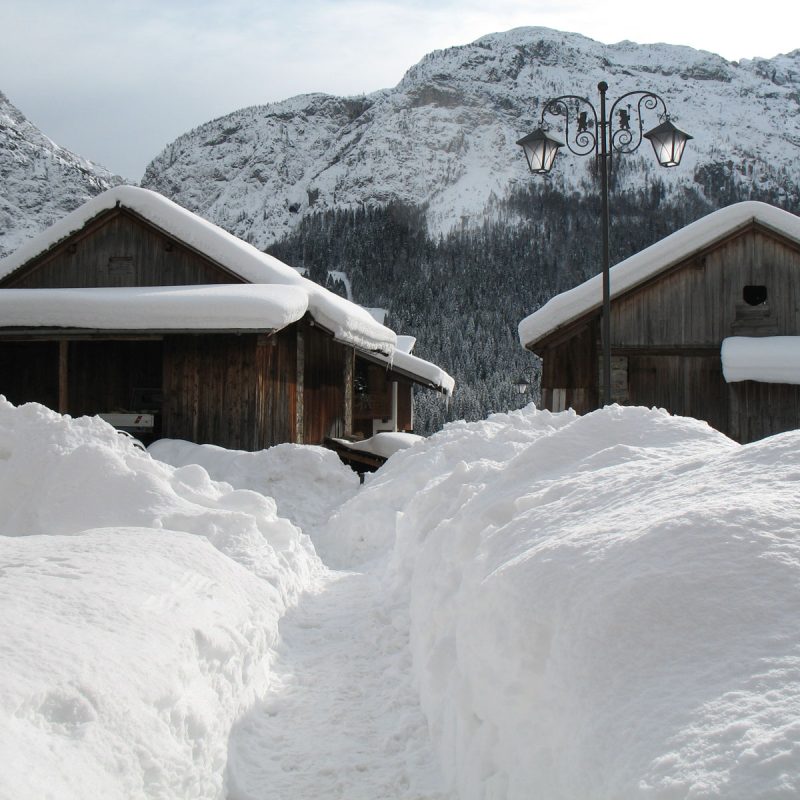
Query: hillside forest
x=463 y=294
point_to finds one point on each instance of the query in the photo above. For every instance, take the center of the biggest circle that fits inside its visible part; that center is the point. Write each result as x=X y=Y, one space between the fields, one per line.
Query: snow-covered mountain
x=445 y=135
x=40 y=182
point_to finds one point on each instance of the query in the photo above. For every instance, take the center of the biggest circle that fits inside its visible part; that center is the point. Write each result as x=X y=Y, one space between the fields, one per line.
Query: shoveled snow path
x=342 y=718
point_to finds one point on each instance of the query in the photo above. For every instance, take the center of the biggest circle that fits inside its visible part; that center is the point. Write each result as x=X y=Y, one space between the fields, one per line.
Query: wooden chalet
x=728 y=279
x=136 y=309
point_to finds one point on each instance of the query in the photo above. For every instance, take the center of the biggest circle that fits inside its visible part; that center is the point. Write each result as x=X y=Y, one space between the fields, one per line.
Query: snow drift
x=140 y=609
x=306 y=482
x=601 y=606
x=598 y=607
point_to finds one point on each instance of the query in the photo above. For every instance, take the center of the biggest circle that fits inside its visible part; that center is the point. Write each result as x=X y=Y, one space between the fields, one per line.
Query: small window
x=754 y=295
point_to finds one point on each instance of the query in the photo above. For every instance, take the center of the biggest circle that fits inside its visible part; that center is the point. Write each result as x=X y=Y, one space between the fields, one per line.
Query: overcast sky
x=117 y=80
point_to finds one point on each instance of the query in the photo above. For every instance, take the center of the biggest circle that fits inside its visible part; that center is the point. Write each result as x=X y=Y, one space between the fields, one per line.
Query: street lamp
x=522 y=385
x=596 y=133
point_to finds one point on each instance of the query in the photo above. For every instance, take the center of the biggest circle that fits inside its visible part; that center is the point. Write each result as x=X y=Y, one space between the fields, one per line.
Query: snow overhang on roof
x=766 y=359
x=417 y=369
x=346 y=321
x=569 y=306
x=221 y=307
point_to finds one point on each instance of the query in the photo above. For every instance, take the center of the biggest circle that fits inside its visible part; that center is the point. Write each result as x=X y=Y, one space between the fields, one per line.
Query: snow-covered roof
x=418 y=369
x=767 y=359
x=235 y=306
x=569 y=306
x=347 y=321
x=406 y=344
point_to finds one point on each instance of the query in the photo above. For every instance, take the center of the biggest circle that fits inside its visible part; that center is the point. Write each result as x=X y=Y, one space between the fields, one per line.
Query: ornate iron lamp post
x=599 y=135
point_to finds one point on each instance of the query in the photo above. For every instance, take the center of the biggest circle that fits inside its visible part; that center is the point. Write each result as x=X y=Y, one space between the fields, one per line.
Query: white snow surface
x=217 y=307
x=768 y=359
x=425 y=372
x=601 y=606
x=405 y=344
x=535 y=605
x=568 y=306
x=326 y=482
x=384 y=444
x=140 y=605
x=347 y=321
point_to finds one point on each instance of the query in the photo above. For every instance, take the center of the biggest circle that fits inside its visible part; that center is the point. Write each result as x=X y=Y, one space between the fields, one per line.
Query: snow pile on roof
x=405 y=344
x=426 y=370
x=569 y=306
x=601 y=606
x=306 y=482
x=347 y=321
x=140 y=606
x=219 y=307
x=769 y=359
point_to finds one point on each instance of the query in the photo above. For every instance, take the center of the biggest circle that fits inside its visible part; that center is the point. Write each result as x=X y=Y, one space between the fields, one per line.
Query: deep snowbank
x=307 y=483
x=601 y=606
x=127 y=653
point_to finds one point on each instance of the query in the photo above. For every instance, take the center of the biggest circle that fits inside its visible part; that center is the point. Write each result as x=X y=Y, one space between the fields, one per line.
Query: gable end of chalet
x=118 y=247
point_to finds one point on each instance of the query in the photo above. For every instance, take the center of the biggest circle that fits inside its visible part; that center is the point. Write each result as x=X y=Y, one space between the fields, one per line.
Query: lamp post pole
x=606 y=225
x=596 y=134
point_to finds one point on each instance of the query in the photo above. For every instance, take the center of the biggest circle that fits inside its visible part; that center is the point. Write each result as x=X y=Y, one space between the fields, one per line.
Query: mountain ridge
x=444 y=137
x=40 y=182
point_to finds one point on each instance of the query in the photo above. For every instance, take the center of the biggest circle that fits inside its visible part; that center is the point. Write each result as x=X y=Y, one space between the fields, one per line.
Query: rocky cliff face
x=444 y=137
x=40 y=182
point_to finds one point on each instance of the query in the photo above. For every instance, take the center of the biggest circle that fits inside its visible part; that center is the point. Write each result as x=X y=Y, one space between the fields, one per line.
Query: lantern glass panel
x=668 y=143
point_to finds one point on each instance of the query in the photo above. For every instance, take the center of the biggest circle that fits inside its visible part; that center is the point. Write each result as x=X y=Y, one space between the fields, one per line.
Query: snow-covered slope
x=445 y=135
x=600 y=607
x=40 y=182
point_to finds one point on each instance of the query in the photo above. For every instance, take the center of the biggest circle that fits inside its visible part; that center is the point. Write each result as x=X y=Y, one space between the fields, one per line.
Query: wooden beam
x=349 y=375
x=63 y=377
x=299 y=384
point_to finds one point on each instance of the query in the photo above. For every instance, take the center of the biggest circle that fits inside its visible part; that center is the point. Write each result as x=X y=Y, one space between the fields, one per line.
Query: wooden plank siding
x=666 y=336
x=571 y=365
x=276 y=388
x=221 y=389
x=118 y=249
x=762 y=409
x=324 y=376
x=697 y=304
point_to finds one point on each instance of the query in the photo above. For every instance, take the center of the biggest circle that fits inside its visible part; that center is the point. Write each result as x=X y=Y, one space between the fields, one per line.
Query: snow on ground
x=601 y=606
x=139 y=606
x=535 y=605
x=342 y=717
x=307 y=483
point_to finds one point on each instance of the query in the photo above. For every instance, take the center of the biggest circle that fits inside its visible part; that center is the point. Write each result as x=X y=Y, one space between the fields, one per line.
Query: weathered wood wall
x=700 y=302
x=762 y=409
x=667 y=334
x=570 y=365
x=276 y=388
x=229 y=390
x=323 y=386
x=119 y=249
